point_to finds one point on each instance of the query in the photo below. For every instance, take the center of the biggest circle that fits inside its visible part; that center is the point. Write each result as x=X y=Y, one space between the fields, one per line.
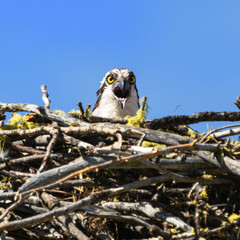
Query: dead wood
x=191 y=119
x=86 y=177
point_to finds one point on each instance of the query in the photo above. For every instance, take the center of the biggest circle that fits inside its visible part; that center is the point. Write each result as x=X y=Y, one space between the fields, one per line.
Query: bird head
x=117 y=95
x=121 y=81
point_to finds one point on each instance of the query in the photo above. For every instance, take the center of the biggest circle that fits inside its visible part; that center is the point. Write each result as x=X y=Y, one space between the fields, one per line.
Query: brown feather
x=99 y=94
x=137 y=96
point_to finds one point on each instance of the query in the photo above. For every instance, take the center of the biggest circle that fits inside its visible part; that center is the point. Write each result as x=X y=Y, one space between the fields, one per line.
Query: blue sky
x=184 y=53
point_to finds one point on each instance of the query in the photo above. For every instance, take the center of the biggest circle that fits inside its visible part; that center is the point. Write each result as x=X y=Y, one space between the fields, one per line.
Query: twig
x=237 y=102
x=144 y=103
x=225 y=162
x=197 y=224
x=55 y=134
x=81 y=108
x=27 y=159
x=21 y=174
x=93 y=198
x=227 y=133
x=27 y=149
x=148 y=210
x=45 y=96
x=52 y=204
x=71 y=170
x=141 y=140
x=87 y=111
x=9 y=209
x=104 y=164
x=217 y=129
x=130 y=219
x=2 y=118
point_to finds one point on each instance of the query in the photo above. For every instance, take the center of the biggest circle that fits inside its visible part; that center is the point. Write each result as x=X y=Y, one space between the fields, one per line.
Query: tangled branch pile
x=64 y=176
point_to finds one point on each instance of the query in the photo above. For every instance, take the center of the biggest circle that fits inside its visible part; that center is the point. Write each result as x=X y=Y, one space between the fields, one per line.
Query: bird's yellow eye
x=132 y=80
x=110 y=79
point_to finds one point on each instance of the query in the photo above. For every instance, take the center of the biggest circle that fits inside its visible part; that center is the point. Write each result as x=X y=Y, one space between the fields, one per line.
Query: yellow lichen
x=227 y=149
x=208 y=207
x=5 y=179
x=3 y=139
x=165 y=130
x=136 y=120
x=222 y=153
x=203 y=230
x=147 y=144
x=140 y=116
x=90 y=179
x=75 y=111
x=16 y=120
x=191 y=132
x=19 y=122
x=195 y=203
x=207 y=176
x=224 y=223
x=4 y=187
x=88 y=114
x=233 y=217
x=173 y=231
x=29 y=125
x=203 y=194
x=152 y=144
x=110 y=138
x=204 y=212
x=59 y=111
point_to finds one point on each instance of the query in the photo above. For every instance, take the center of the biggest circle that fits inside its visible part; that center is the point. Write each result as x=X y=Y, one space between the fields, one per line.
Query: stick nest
x=72 y=176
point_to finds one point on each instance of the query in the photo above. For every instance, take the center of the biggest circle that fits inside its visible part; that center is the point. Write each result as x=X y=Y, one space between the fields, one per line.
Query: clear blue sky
x=183 y=53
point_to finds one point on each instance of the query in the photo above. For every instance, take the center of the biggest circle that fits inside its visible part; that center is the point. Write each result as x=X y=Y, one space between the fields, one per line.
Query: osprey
x=117 y=95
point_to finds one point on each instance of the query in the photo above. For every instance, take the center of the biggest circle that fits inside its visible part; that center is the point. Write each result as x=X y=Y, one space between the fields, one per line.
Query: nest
x=72 y=176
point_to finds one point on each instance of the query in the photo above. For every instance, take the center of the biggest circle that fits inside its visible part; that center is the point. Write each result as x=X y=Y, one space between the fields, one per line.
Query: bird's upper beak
x=121 y=91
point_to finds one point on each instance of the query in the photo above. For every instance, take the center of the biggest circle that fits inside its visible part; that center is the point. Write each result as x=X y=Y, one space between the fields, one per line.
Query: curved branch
x=191 y=119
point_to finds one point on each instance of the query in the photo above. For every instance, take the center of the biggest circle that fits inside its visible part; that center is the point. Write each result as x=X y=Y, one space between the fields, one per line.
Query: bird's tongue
x=121 y=95
x=122 y=100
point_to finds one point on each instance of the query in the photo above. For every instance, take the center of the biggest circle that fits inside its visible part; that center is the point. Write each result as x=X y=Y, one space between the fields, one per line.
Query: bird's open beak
x=122 y=91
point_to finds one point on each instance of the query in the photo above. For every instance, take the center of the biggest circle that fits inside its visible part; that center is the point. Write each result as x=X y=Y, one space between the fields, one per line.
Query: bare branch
x=45 y=96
